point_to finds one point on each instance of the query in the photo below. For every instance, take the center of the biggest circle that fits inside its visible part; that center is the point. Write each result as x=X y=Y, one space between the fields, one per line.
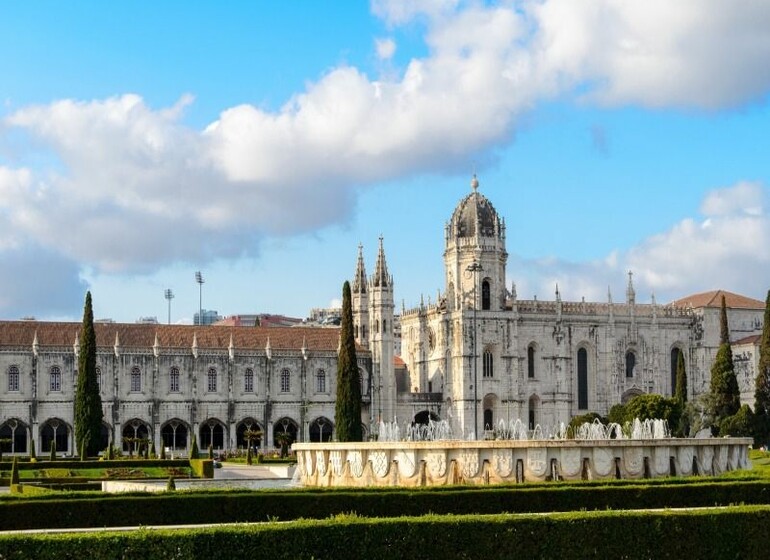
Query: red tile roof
x=753 y=339
x=714 y=299
x=22 y=333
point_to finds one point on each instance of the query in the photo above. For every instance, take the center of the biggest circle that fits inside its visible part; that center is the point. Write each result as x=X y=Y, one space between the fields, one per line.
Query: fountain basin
x=438 y=463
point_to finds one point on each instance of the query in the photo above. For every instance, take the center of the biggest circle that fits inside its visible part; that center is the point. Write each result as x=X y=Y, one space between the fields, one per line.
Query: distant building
x=325 y=316
x=259 y=320
x=208 y=317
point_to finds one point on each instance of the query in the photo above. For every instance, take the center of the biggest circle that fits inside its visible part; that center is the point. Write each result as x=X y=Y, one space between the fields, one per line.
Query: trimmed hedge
x=738 y=532
x=92 y=464
x=186 y=507
x=202 y=468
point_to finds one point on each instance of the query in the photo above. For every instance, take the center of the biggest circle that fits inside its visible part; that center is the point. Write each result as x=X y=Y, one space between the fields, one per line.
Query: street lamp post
x=169 y=296
x=199 y=279
x=474 y=269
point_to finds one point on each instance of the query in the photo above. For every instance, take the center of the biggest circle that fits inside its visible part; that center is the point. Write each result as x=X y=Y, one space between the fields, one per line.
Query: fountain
x=429 y=455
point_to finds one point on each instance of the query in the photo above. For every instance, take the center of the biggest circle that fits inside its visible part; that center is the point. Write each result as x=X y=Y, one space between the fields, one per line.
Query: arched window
x=630 y=363
x=285 y=381
x=13 y=436
x=211 y=380
x=488 y=364
x=321 y=430
x=212 y=433
x=173 y=380
x=488 y=419
x=485 y=295
x=582 y=375
x=99 y=378
x=248 y=381
x=136 y=434
x=384 y=326
x=320 y=381
x=13 y=379
x=174 y=435
x=136 y=380
x=54 y=432
x=55 y=379
x=531 y=361
x=532 y=412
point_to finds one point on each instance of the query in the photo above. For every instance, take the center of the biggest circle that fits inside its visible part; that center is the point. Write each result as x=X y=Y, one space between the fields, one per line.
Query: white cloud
x=744 y=197
x=399 y=12
x=385 y=48
x=129 y=186
x=656 y=53
x=725 y=250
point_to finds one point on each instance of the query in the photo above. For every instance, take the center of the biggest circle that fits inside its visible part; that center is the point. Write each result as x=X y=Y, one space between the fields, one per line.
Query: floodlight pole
x=169 y=296
x=474 y=269
x=199 y=279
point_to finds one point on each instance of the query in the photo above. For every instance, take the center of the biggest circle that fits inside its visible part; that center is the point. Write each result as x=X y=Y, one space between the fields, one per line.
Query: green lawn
x=121 y=473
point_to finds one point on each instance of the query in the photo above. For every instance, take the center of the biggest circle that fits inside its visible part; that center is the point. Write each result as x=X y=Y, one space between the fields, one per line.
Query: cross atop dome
x=474 y=183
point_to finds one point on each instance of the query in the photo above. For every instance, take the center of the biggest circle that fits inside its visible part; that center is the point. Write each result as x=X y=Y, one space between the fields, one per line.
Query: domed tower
x=475 y=255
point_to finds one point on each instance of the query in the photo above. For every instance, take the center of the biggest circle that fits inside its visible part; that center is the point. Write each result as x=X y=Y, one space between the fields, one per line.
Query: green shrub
x=737 y=532
x=741 y=424
x=203 y=468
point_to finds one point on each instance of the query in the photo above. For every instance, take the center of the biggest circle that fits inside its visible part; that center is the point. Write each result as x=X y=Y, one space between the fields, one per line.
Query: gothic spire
x=359 y=281
x=381 y=278
x=630 y=292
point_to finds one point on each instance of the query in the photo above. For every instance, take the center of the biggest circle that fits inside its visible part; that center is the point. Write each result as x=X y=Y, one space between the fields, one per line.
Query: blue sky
x=260 y=142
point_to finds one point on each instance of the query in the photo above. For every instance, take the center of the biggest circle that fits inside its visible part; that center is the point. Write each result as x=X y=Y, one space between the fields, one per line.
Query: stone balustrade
x=438 y=463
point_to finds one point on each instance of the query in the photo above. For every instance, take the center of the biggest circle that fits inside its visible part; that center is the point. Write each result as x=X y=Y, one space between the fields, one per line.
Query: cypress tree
x=347 y=414
x=680 y=394
x=680 y=398
x=762 y=386
x=725 y=395
x=194 y=448
x=88 y=403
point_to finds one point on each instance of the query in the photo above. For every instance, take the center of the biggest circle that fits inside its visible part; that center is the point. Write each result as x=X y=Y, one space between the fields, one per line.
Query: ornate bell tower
x=381 y=305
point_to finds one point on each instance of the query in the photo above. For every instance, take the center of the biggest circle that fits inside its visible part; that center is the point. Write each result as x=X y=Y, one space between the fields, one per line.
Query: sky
x=261 y=142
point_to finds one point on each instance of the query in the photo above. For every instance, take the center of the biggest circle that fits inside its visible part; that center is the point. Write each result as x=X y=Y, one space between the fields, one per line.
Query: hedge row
x=176 y=508
x=738 y=532
x=97 y=464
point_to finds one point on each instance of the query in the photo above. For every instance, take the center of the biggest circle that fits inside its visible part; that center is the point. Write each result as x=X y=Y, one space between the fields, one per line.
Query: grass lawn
x=120 y=473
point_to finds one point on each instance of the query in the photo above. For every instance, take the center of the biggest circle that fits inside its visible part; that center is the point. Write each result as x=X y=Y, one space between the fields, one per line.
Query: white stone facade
x=480 y=355
x=165 y=383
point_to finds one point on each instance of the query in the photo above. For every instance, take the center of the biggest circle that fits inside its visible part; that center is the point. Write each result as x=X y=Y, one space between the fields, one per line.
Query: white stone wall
x=193 y=405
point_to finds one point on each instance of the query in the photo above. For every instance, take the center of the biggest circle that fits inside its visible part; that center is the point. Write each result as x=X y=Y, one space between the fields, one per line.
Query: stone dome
x=475 y=212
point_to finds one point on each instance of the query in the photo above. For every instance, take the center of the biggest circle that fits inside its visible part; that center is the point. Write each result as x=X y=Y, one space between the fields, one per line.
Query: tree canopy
x=724 y=396
x=762 y=384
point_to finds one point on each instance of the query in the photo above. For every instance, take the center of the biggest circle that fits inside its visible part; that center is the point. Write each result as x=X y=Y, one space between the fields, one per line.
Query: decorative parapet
x=510 y=461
